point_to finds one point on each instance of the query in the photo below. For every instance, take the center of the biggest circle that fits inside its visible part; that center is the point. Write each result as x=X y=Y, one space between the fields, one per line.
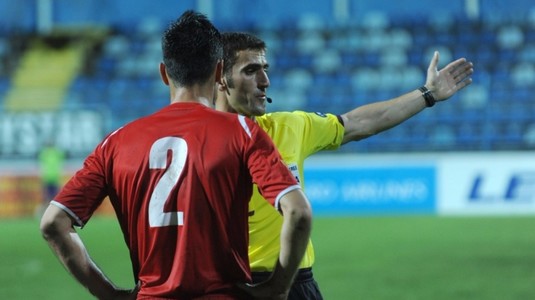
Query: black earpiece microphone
x=268 y=100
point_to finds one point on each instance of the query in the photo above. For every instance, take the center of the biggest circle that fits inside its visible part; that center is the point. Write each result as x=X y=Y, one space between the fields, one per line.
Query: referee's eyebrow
x=256 y=66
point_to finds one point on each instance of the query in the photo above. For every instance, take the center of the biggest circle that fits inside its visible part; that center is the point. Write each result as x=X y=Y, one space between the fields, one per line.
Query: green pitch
x=376 y=258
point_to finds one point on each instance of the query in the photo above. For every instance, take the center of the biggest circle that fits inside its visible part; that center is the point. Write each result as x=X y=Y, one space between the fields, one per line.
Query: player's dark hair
x=191 y=48
x=233 y=42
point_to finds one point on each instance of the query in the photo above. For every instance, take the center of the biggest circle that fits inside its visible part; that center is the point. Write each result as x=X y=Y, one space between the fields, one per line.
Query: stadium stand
x=45 y=72
x=319 y=65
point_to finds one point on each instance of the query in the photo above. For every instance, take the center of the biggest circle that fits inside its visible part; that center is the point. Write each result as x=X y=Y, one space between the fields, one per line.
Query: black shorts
x=303 y=288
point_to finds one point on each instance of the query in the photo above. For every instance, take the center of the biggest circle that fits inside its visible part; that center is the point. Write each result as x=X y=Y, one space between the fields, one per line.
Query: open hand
x=452 y=78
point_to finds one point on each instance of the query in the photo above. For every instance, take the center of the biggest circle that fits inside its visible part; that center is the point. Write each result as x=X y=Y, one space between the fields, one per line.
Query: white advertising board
x=498 y=183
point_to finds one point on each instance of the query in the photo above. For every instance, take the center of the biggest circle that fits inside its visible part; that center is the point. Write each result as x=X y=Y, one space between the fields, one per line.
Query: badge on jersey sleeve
x=295 y=171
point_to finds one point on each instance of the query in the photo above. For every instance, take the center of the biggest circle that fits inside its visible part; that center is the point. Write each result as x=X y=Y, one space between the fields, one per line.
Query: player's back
x=180 y=181
x=183 y=168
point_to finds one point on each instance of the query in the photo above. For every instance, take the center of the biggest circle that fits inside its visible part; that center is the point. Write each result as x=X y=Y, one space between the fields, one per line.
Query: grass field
x=405 y=257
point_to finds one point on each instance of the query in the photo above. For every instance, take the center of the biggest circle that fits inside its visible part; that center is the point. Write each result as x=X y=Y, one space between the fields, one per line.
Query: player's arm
x=370 y=119
x=57 y=229
x=295 y=234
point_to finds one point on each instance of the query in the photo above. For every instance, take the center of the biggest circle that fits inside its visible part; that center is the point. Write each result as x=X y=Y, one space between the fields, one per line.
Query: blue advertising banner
x=372 y=190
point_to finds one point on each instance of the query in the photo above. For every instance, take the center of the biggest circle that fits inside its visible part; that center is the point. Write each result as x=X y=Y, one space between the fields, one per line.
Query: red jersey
x=180 y=182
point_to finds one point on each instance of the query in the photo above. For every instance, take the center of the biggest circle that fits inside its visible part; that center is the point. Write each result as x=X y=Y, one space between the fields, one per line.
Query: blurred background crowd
x=73 y=71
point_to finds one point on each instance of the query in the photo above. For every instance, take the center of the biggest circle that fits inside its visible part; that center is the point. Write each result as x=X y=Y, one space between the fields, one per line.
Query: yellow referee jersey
x=296 y=135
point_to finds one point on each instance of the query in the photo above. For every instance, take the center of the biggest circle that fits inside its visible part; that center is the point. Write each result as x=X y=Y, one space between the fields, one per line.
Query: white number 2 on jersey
x=158 y=160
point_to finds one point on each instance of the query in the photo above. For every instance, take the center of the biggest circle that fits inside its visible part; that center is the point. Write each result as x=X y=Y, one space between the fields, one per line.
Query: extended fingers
x=463 y=83
x=462 y=71
x=461 y=75
x=459 y=69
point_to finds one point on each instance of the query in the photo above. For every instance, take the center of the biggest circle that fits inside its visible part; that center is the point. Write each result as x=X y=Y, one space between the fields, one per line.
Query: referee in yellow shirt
x=299 y=134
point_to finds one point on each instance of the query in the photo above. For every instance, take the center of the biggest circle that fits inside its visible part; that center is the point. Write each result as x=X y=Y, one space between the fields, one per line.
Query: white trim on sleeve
x=284 y=192
x=68 y=211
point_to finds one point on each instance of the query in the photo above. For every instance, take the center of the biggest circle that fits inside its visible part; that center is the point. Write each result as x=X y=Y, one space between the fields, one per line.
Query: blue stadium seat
x=339 y=66
x=5 y=83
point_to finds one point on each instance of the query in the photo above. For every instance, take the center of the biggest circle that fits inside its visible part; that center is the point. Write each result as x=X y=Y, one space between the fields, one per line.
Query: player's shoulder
x=232 y=121
x=230 y=118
